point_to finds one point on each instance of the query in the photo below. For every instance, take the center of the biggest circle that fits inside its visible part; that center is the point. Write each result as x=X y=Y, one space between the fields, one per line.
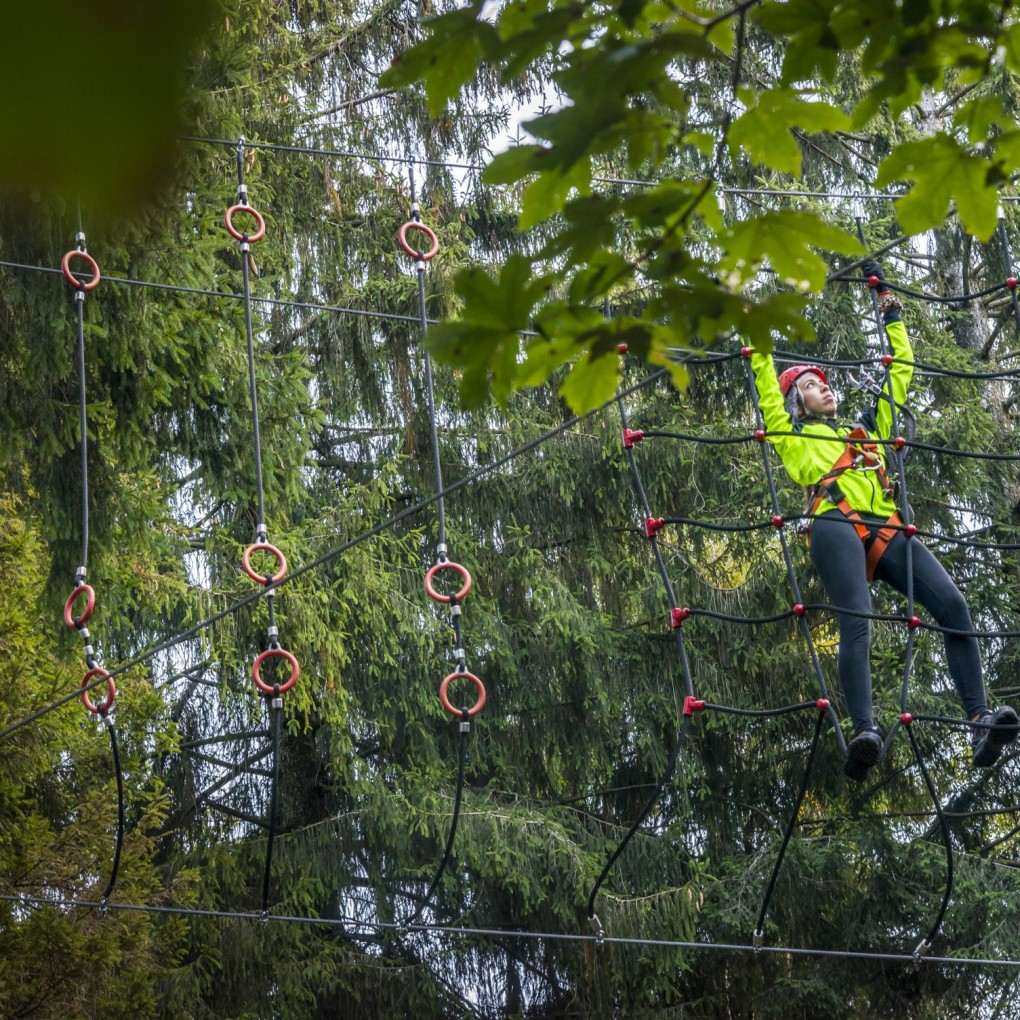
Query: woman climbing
x=856 y=535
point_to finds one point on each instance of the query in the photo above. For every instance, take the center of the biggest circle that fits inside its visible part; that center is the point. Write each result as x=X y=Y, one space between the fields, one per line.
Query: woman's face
x=816 y=396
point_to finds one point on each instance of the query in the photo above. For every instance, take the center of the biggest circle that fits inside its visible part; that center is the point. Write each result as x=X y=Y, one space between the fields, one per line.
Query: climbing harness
x=859 y=455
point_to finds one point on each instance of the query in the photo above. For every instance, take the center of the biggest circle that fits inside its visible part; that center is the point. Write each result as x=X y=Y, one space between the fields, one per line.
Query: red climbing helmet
x=791 y=375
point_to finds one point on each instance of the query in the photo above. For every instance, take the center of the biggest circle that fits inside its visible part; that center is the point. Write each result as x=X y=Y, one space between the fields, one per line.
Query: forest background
x=662 y=206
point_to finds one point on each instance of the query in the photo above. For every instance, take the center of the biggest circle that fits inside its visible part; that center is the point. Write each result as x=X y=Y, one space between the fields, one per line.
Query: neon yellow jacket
x=808 y=460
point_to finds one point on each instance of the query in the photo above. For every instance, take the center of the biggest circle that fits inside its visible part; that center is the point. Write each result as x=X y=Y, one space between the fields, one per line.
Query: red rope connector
x=677 y=616
x=270 y=653
x=874 y=281
x=910 y=530
x=621 y=348
x=692 y=705
x=899 y=442
x=887 y=360
x=65 y=266
x=799 y=610
x=759 y=434
x=745 y=352
x=281 y=560
x=75 y=622
x=913 y=622
x=777 y=521
x=632 y=436
x=906 y=718
x=447 y=565
x=653 y=525
x=458 y=713
x=111 y=692
x=1011 y=282
x=822 y=704
x=413 y=252
x=238 y=235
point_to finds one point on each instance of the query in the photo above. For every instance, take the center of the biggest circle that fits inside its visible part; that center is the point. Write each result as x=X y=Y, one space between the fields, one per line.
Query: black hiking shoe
x=862 y=752
x=987 y=742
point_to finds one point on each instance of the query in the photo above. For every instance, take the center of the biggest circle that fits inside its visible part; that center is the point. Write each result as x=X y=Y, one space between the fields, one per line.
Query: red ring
x=256 y=670
x=90 y=604
x=264 y=578
x=65 y=265
x=459 y=712
x=111 y=692
x=429 y=233
x=447 y=565
x=228 y=219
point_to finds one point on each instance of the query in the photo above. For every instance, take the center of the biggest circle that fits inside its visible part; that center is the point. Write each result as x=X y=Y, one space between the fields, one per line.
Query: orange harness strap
x=854 y=455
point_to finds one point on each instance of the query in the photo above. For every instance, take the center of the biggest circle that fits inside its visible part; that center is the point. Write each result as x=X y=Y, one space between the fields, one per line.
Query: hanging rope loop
x=111 y=691
x=420 y=256
x=77 y=622
x=281 y=561
x=239 y=235
x=74 y=279
x=275 y=689
x=461 y=713
x=447 y=565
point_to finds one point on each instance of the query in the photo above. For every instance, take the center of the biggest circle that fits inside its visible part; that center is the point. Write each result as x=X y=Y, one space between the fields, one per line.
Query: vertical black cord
x=946 y=839
x=760 y=927
x=79 y=300
x=276 y=707
x=120 y=808
x=419 y=264
x=448 y=851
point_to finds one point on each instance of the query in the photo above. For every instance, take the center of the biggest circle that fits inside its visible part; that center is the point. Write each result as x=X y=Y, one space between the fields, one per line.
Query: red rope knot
x=745 y=352
x=777 y=521
x=913 y=622
x=632 y=436
x=910 y=530
x=447 y=565
x=1011 y=282
x=899 y=442
x=281 y=561
x=887 y=360
x=693 y=704
x=677 y=616
x=822 y=705
x=77 y=622
x=653 y=525
x=111 y=691
x=874 y=281
x=799 y=609
x=759 y=434
x=72 y=278
x=423 y=256
x=621 y=348
x=906 y=718
x=239 y=235
x=459 y=713
x=275 y=653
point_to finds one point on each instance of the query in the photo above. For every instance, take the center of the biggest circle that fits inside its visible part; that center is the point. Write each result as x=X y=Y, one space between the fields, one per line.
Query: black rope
x=947 y=840
x=275 y=705
x=642 y=815
x=420 y=264
x=759 y=929
x=120 y=808
x=458 y=799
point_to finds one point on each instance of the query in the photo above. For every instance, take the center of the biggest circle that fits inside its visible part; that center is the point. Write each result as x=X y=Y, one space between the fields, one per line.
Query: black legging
x=838 y=555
